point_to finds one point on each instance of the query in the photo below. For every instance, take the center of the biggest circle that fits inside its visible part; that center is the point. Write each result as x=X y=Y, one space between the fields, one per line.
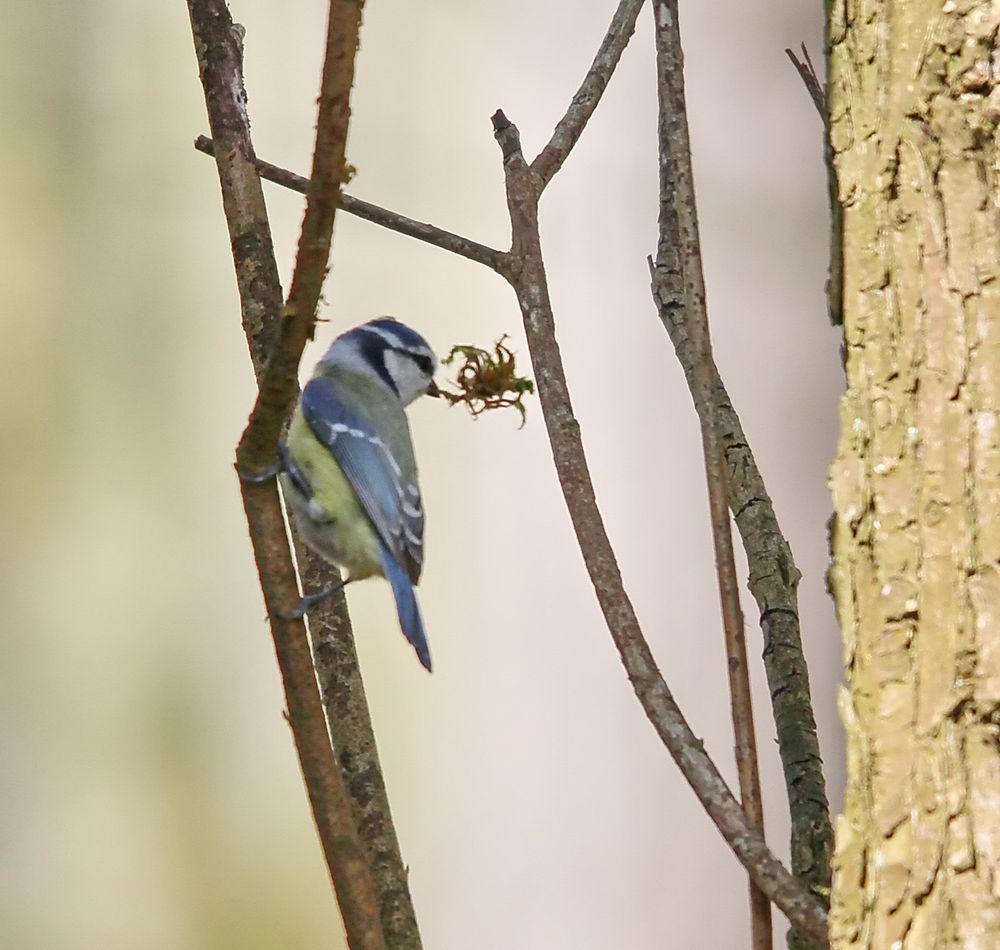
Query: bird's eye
x=424 y=363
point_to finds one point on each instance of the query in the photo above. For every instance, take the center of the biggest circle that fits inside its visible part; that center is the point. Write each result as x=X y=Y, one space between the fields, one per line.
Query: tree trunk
x=914 y=104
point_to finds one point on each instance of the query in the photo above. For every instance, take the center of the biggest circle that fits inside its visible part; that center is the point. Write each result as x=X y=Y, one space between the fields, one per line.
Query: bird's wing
x=391 y=500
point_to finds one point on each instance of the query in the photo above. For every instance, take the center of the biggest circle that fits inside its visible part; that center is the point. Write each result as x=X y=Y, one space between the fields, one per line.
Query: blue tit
x=348 y=470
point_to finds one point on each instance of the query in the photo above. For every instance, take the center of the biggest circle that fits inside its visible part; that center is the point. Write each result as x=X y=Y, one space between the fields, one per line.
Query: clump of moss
x=486 y=380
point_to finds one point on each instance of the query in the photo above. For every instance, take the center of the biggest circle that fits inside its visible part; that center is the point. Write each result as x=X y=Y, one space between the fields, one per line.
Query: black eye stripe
x=423 y=361
x=373 y=350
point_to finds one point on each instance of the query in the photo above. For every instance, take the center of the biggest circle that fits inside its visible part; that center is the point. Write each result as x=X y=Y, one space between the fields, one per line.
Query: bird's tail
x=406 y=606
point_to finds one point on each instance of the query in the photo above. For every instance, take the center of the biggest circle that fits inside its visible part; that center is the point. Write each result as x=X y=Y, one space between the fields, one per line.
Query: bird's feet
x=273 y=471
x=309 y=601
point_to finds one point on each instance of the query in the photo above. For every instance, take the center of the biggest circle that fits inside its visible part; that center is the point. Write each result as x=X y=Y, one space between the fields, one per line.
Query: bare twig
x=807 y=73
x=526 y=273
x=817 y=92
x=679 y=293
x=480 y=253
x=343 y=690
x=346 y=858
x=218 y=46
x=571 y=125
x=679 y=256
x=279 y=385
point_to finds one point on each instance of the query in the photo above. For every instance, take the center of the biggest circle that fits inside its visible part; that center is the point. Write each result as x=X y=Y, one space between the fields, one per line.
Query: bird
x=348 y=470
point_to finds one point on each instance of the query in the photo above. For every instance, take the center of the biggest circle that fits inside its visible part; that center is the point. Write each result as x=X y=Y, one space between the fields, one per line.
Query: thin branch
x=678 y=290
x=218 y=47
x=345 y=854
x=679 y=254
x=278 y=388
x=571 y=125
x=773 y=583
x=480 y=253
x=807 y=73
x=526 y=274
x=817 y=92
x=343 y=691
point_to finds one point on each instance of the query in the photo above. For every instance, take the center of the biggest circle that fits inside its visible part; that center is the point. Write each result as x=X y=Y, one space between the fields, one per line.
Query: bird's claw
x=258 y=478
x=309 y=601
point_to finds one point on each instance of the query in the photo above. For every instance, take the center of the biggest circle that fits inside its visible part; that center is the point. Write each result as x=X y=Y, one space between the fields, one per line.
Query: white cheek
x=410 y=382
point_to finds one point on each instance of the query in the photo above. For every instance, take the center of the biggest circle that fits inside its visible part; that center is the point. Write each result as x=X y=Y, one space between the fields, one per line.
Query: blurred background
x=150 y=795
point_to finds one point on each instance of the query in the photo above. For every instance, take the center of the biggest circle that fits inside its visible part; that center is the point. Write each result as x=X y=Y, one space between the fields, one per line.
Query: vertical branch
x=336 y=657
x=773 y=574
x=773 y=583
x=347 y=713
x=279 y=385
x=219 y=48
x=217 y=44
x=345 y=855
x=680 y=283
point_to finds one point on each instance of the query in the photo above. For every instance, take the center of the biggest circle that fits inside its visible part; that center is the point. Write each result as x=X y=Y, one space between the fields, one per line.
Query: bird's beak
x=432 y=390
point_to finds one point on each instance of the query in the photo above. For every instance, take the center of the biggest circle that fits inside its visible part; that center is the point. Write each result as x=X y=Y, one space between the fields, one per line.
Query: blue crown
x=406 y=338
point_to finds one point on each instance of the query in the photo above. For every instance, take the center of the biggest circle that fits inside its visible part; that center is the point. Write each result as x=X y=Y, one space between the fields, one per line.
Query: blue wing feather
x=392 y=504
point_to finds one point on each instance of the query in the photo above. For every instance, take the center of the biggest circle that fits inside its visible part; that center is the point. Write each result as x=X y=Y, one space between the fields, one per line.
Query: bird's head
x=389 y=352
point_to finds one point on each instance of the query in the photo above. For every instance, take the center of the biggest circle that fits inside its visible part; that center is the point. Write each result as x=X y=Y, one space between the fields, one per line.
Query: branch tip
x=570 y=127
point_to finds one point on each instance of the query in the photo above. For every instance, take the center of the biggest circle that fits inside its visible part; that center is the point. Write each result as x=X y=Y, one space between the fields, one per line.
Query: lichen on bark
x=914 y=101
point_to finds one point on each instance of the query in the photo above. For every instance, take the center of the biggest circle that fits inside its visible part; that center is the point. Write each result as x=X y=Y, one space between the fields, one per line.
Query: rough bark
x=916 y=480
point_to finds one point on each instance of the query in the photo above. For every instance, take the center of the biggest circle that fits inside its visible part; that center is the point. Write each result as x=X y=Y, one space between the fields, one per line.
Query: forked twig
x=527 y=277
